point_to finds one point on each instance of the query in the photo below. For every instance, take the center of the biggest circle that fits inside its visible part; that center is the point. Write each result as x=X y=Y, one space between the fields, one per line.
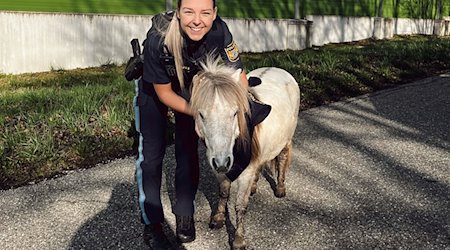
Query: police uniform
x=151 y=117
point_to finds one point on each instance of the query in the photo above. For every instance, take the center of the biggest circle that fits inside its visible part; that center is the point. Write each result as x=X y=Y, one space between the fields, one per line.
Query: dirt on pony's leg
x=255 y=181
x=218 y=219
x=243 y=194
x=283 y=161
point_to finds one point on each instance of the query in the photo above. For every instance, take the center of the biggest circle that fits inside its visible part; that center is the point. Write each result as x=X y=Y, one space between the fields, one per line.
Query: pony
x=220 y=103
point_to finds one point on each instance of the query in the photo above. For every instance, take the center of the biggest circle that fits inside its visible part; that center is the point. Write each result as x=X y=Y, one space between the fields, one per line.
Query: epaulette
x=161 y=21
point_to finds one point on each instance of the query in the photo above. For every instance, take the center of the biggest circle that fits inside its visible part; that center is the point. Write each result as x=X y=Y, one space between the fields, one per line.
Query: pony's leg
x=243 y=193
x=218 y=219
x=283 y=162
x=255 y=180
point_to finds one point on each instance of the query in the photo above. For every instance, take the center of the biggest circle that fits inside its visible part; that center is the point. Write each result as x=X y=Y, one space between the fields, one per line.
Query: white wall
x=35 y=42
x=404 y=26
x=339 y=29
x=258 y=35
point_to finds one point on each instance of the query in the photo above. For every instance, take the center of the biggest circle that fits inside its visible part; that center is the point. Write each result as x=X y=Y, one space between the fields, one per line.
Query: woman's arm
x=244 y=80
x=169 y=98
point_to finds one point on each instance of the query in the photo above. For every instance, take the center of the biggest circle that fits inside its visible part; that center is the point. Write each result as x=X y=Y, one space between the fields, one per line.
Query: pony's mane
x=216 y=78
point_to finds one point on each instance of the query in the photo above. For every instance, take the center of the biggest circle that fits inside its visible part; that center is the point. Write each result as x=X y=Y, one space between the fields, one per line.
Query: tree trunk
x=439 y=8
x=169 y=5
x=380 y=8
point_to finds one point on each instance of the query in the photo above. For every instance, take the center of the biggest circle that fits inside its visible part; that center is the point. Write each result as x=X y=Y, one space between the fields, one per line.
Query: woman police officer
x=175 y=45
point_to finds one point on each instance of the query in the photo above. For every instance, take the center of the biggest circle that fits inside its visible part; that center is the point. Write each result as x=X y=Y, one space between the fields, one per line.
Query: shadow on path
x=118 y=225
x=379 y=168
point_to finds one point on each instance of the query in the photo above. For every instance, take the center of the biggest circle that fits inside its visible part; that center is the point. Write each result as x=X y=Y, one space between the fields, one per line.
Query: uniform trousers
x=151 y=125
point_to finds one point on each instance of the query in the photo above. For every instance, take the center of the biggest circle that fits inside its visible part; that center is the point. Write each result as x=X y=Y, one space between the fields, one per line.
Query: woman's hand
x=169 y=98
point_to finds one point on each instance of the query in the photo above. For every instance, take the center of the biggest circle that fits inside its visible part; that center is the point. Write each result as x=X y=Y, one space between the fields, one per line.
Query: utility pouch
x=169 y=64
x=168 y=61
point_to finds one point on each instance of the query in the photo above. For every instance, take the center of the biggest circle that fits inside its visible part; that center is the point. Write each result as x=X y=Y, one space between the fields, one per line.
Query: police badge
x=232 y=52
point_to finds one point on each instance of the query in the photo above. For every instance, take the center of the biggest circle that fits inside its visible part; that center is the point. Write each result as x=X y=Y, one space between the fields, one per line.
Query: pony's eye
x=201 y=116
x=235 y=114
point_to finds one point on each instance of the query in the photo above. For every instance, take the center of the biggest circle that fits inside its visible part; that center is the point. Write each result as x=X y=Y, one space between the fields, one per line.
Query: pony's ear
x=194 y=79
x=237 y=75
x=199 y=132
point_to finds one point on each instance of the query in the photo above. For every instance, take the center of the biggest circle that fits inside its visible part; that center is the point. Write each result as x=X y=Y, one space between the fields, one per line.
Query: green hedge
x=237 y=8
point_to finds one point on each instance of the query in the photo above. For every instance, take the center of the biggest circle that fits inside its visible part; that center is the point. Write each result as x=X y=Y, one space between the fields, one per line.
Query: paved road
x=370 y=172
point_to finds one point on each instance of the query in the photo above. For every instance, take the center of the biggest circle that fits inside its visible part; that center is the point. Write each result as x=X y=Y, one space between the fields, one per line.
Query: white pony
x=220 y=103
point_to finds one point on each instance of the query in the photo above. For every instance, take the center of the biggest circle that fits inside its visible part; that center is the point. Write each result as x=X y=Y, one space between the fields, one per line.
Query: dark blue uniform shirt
x=159 y=66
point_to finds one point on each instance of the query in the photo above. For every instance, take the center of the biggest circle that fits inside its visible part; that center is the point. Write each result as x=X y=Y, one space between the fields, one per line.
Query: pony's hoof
x=253 y=190
x=239 y=244
x=280 y=192
x=217 y=222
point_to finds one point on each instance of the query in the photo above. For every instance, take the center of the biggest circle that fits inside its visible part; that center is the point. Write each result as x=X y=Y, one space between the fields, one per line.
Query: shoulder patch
x=232 y=52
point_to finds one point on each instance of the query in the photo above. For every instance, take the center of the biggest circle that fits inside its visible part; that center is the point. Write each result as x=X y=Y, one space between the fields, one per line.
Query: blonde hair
x=174 y=42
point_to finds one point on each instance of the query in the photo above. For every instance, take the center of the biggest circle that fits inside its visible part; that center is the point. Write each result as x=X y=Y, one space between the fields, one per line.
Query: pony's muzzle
x=222 y=164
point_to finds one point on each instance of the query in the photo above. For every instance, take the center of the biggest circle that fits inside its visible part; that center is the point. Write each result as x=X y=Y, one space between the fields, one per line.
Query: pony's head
x=220 y=102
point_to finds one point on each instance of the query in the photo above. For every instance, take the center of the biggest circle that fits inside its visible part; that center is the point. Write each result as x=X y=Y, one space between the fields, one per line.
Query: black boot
x=185 y=228
x=154 y=237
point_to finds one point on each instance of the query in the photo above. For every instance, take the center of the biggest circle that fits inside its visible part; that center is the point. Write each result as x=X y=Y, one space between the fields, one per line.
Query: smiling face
x=196 y=17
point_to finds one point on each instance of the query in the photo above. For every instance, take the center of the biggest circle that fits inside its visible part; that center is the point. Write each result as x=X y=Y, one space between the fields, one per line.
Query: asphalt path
x=372 y=172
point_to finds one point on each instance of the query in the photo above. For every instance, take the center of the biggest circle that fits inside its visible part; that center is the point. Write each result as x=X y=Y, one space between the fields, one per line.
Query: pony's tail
x=174 y=42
